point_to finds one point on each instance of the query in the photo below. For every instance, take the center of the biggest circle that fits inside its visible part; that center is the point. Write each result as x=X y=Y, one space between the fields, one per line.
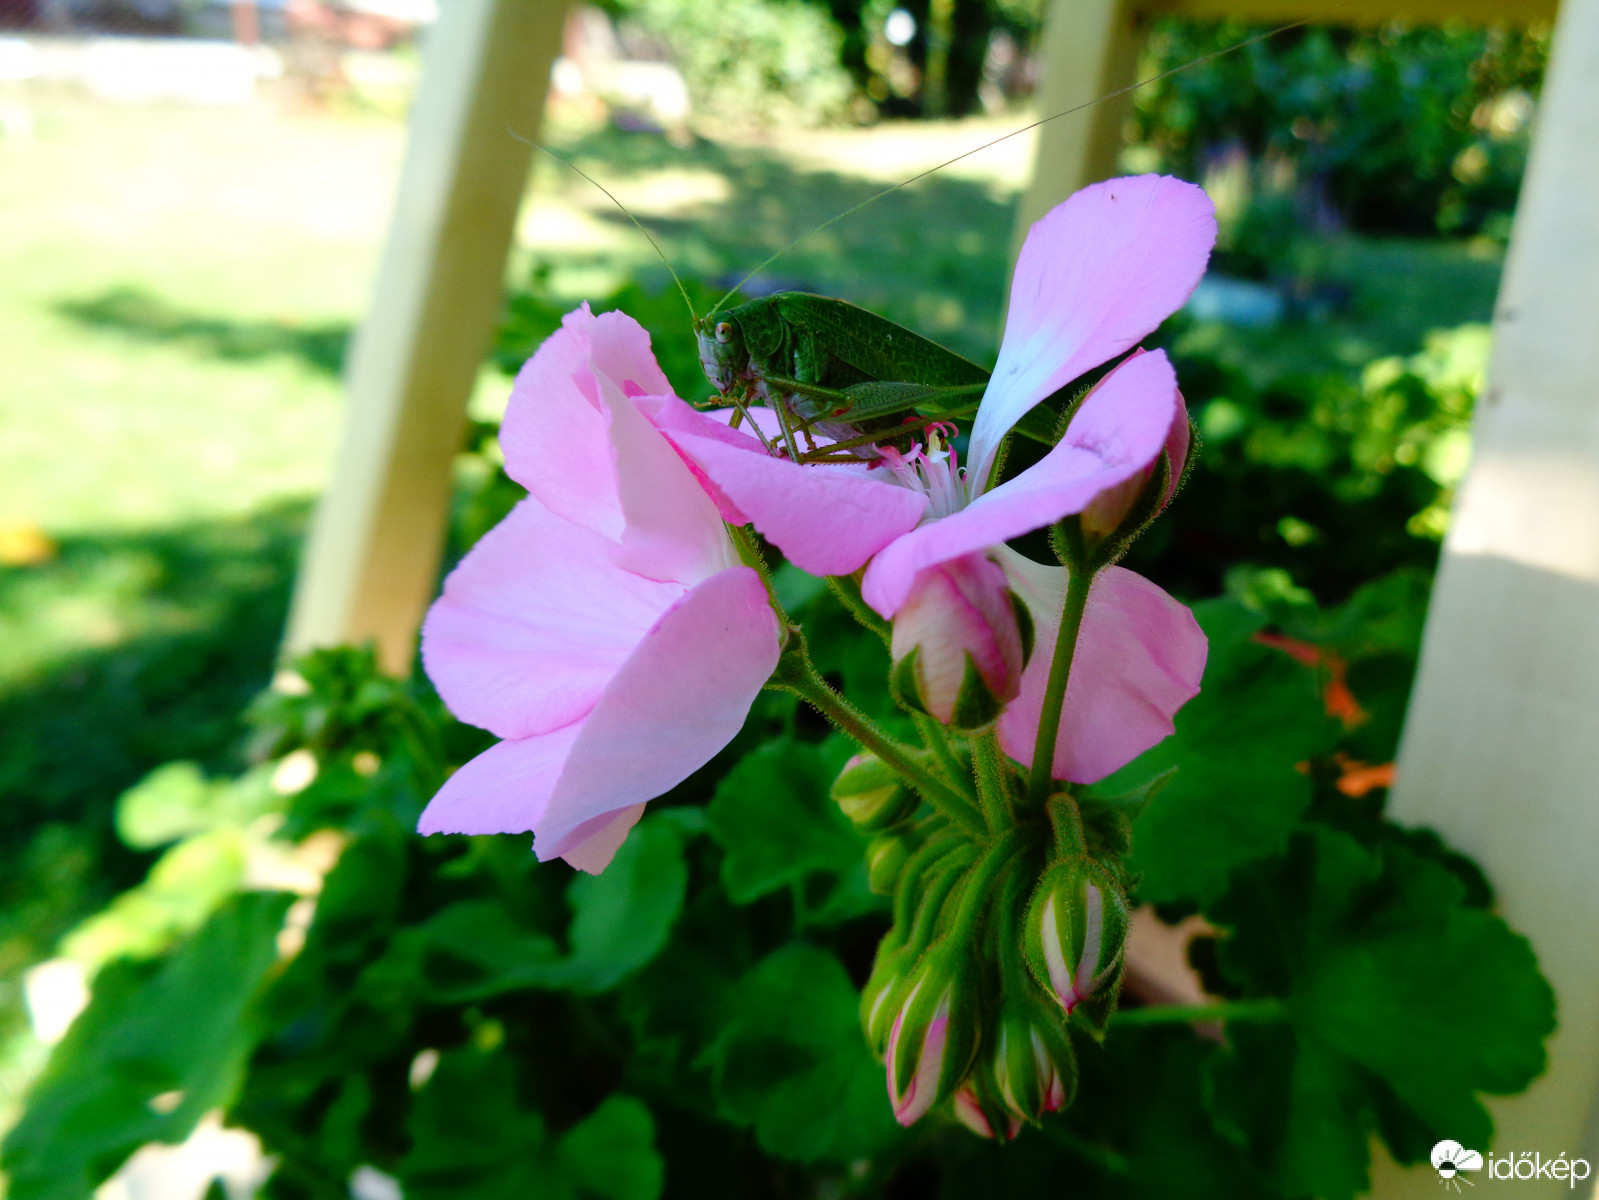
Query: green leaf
x=1404 y=1002
x=470 y=1136
x=1139 y=1129
x=475 y=949
x=472 y=1139
x=792 y=1061
x=1236 y=794
x=185 y=886
x=176 y=800
x=611 y=1153
x=621 y=920
x=773 y=817
x=157 y=1048
x=623 y=917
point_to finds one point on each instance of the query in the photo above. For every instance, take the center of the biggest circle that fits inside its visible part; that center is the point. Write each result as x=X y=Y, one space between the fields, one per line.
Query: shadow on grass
x=196 y=637
x=135 y=313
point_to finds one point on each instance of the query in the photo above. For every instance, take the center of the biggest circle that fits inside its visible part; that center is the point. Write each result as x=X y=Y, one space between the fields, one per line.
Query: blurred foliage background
x=184 y=282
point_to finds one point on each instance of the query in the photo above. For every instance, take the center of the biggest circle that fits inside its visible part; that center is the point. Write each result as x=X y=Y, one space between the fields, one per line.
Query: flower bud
x=1076 y=931
x=883 y=991
x=871 y=795
x=933 y=1039
x=1107 y=512
x=1034 y=1069
x=960 y=642
x=886 y=855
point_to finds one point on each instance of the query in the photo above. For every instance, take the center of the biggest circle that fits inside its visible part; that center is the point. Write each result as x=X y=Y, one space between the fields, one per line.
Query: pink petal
x=621 y=352
x=671 y=529
x=534 y=622
x=1177 y=447
x=1117 y=432
x=1140 y=656
x=503 y=790
x=554 y=435
x=827 y=520
x=680 y=697
x=1096 y=274
x=594 y=853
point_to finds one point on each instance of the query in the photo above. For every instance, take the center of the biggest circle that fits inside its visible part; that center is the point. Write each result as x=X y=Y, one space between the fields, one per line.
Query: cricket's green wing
x=874 y=346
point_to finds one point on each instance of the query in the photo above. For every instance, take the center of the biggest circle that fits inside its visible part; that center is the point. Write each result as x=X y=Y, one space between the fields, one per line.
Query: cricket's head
x=723 y=354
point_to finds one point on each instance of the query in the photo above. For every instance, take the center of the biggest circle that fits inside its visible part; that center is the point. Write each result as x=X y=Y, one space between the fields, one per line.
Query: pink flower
x=604 y=629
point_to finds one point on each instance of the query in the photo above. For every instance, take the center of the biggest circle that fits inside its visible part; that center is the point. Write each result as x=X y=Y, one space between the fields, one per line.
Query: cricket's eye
x=724 y=332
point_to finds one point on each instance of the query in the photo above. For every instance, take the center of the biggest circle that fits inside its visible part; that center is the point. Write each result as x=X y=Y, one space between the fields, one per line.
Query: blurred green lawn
x=175 y=289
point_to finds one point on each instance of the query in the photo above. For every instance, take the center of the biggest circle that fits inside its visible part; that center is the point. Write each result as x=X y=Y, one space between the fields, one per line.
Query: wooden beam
x=1361 y=12
x=1089 y=49
x=1499 y=748
x=370 y=566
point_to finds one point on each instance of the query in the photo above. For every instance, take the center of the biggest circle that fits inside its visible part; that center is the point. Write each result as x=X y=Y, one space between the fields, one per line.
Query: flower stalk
x=1040 y=780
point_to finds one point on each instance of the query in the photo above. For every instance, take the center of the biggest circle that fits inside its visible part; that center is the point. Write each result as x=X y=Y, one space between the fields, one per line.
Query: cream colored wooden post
x=370 y=566
x=1501 y=750
x=1089 y=49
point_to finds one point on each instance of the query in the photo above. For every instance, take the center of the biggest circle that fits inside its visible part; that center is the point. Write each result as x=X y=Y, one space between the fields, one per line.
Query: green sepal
x=902 y=683
x=976 y=706
x=1024 y=625
x=1095 y=1012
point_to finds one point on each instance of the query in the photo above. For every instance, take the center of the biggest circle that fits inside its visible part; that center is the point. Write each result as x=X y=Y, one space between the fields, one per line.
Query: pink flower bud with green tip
x=960 y=642
x=1076 y=932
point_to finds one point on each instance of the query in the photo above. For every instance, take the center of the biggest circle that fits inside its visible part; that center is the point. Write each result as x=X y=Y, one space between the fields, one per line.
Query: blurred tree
x=1394 y=130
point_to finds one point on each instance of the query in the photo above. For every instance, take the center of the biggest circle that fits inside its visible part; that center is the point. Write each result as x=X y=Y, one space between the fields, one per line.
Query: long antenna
x=889 y=191
x=566 y=162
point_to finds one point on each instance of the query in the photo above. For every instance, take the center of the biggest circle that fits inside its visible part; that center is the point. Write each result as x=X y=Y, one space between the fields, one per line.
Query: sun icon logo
x=1450 y=1159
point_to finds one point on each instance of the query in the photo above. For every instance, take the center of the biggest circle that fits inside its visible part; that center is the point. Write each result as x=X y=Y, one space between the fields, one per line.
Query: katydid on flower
x=824 y=365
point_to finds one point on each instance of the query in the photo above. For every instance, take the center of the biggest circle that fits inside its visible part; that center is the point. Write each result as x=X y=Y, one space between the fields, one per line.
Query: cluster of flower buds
x=994 y=946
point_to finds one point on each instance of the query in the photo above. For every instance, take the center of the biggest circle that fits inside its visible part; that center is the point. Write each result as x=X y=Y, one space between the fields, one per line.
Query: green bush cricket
x=823 y=364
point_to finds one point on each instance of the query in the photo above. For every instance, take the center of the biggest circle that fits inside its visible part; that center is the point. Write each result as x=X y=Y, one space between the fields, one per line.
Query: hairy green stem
x=992 y=793
x=978 y=889
x=850 y=598
x=1184 y=1014
x=749 y=553
x=922 y=860
x=1041 y=779
x=945 y=877
x=797 y=674
x=935 y=741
